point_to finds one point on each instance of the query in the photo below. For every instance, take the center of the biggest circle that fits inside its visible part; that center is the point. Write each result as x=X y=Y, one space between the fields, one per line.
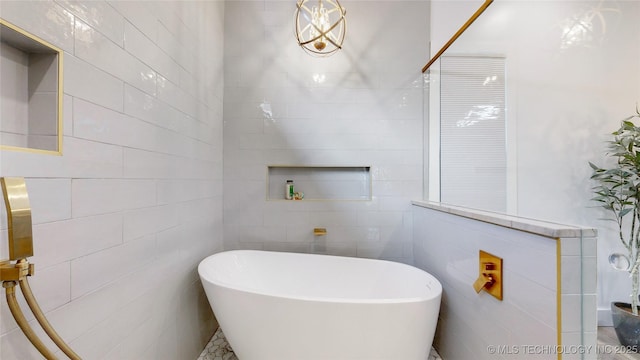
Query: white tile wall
x=359 y=107
x=470 y=324
x=549 y=179
x=123 y=217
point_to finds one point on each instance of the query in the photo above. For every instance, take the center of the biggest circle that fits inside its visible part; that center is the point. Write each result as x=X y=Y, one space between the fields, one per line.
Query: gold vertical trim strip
x=455 y=36
x=559 y=293
x=60 y=102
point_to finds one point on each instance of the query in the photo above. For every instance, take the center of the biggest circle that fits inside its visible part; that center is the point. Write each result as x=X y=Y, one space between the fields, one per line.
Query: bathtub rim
x=434 y=294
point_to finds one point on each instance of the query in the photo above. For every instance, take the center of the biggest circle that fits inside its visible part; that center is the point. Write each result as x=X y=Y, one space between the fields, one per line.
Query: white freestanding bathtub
x=289 y=306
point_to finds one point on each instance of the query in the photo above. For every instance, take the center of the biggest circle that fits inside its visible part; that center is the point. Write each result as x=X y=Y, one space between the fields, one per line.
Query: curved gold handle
x=485 y=281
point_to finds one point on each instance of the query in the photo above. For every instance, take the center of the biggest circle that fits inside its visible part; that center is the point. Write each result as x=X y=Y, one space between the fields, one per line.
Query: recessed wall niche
x=30 y=92
x=321 y=182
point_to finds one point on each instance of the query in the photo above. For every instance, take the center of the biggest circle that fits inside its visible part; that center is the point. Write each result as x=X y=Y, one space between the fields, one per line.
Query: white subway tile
x=168 y=42
x=579 y=274
x=45 y=19
x=62 y=241
x=16 y=346
x=385 y=251
x=531 y=298
x=137 y=13
x=147 y=164
x=80 y=315
x=380 y=218
x=95 y=48
x=578 y=246
x=146 y=221
x=91 y=159
x=572 y=312
x=174 y=191
x=51 y=285
x=95 y=270
x=50 y=199
x=80 y=158
x=67 y=115
x=99 y=15
x=100 y=196
x=98 y=123
x=76 y=72
x=147 y=51
x=95 y=205
x=247 y=234
x=146 y=107
x=176 y=97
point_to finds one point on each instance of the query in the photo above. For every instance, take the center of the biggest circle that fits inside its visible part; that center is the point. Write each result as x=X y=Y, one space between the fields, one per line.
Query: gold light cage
x=320 y=26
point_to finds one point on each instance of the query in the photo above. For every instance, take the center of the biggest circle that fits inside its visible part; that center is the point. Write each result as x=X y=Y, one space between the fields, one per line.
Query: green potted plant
x=617 y=190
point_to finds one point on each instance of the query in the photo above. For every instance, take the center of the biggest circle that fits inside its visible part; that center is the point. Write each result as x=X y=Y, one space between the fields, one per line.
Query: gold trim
x=489 y=275
x=464 y=27
x=60 y=54
x=32 y=150
x=60 y=102
x=559 y=293
x=44 y=323
x=29 y=35
x=16 y=201
x=22 y=322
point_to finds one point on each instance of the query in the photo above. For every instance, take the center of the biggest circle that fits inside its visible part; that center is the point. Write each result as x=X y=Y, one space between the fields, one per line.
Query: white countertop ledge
x=543 y=228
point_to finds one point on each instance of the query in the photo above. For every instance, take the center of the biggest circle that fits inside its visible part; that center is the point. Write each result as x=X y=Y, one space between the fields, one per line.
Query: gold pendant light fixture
x=320 y=26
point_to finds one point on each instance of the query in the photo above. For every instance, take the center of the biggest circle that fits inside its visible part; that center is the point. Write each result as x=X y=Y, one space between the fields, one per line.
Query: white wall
x=123 y=217
x=565 y=95
x=359 y=107
x=544 y=304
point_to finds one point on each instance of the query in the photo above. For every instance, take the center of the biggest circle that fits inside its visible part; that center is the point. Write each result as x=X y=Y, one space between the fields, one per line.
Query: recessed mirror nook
x=31 y=92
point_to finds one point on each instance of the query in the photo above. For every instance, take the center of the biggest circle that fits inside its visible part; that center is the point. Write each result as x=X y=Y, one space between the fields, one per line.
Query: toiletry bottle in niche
x=288 y=190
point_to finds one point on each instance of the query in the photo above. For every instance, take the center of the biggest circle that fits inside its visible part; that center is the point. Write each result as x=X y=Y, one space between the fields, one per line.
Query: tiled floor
x=218 y=349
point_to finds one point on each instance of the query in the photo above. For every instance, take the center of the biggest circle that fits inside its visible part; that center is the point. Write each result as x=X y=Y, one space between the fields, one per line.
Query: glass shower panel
x=472 y=132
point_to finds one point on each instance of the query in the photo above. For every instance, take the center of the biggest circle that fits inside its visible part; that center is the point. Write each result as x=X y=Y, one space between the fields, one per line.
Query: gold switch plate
x=492 y=265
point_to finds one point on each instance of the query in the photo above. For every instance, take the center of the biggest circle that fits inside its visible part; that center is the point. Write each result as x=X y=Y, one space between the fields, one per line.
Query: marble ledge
x=538 y=227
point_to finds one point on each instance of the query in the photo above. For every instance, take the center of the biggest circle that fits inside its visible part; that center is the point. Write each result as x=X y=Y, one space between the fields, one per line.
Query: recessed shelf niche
x=321 y=182
x=30 y=92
